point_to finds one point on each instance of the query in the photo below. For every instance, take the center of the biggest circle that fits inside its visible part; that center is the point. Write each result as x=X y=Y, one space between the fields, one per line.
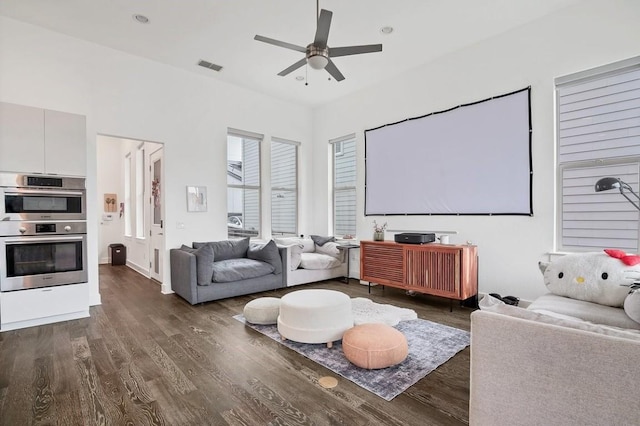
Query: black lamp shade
x=607 y=183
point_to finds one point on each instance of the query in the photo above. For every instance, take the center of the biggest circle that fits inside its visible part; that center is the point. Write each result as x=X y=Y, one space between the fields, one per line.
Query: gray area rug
x=430 y=345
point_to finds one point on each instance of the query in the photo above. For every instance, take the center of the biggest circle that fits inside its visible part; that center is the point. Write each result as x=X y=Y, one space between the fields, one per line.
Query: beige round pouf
x=263 y=310
x=315 y=316
x=374 y=346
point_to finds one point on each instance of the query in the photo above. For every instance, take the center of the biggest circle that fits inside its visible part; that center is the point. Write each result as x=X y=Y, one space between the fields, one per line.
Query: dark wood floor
x=147 y=358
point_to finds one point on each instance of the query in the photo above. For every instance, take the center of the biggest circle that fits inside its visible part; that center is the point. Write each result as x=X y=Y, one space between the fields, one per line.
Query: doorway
x=126 y=169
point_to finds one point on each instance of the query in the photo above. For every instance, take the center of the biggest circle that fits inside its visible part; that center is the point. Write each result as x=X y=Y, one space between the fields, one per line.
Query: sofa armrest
x=530 y=373
x=184 y=278
x=285 y=255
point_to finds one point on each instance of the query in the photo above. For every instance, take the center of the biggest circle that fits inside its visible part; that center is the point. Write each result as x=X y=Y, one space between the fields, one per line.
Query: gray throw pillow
x=267 y=253
x=204 y=262
x=322 y=240
x=227 y=249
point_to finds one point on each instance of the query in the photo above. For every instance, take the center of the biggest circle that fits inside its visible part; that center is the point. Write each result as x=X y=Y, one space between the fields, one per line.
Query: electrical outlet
x=180 y=225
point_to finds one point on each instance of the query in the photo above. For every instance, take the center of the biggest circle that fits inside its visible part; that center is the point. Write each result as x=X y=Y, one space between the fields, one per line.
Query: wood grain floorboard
x=144 y=358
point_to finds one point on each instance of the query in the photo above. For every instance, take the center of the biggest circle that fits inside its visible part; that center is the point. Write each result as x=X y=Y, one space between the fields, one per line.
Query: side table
x=347 y=247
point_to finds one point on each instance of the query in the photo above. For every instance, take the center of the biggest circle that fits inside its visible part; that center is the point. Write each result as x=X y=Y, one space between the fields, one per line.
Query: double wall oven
x=43 y=231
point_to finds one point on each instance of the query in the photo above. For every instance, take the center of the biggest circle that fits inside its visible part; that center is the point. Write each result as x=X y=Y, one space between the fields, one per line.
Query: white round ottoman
x=263 y=310
x=315 y=316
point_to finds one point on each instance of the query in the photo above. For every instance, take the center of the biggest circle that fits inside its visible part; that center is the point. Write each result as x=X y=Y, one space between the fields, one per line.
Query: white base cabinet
x=38 y=306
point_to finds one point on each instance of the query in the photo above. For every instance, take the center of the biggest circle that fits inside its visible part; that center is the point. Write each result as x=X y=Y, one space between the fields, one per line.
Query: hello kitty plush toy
x=607 y=278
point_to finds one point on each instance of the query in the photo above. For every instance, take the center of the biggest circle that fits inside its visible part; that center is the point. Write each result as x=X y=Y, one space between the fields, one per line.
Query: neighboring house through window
x=344 y=185
x=598 y=134
x=243 y=183
x=284 y=187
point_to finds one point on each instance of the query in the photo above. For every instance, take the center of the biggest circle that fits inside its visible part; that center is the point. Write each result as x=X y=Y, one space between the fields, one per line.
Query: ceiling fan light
x=317 y=62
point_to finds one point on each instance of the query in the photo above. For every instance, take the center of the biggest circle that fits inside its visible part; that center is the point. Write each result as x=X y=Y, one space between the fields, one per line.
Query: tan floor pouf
x=374 y=346
x=263 y=310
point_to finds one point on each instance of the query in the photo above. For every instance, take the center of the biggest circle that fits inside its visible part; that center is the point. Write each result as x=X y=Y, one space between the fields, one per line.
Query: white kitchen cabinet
x=27 y=308
x=21 y=138
x=34 y=140
x=65 y=143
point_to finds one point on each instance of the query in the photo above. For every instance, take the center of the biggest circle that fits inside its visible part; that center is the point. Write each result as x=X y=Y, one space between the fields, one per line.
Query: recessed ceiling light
x=300 y=78
x=386 y=30
x=141 y=18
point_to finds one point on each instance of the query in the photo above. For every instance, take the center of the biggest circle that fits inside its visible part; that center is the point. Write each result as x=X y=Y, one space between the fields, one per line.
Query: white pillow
x=296 y=256
x=318 y=261
x=331 y=249
x=632 y=305
x=306 y=243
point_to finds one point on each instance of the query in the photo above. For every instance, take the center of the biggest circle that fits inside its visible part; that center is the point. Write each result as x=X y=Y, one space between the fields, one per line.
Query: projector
x=414 y=238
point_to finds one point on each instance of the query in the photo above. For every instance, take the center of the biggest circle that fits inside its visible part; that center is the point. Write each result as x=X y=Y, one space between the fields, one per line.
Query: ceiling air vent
x=209 y=65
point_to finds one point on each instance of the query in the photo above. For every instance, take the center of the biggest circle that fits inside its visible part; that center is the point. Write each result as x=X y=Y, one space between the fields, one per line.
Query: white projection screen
x=473 y=159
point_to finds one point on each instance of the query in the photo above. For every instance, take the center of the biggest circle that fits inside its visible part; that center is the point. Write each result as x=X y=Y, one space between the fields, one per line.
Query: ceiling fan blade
x=293 y=67
x=322 y=32
x=280 y=43
x=335 y=52
x=333 y=70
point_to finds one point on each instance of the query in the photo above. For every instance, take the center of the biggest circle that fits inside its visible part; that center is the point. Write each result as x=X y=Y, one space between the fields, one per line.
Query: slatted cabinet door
x=382 y=264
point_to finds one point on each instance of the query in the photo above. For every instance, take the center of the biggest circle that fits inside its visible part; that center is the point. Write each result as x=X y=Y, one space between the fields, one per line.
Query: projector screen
x=471 y=159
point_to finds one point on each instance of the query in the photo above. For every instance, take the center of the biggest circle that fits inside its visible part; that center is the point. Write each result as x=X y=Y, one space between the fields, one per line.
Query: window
x=243 y=184
x=344 y=185
x=284 y=187
x=127 y=195
x=140 y=192
x=598 y=134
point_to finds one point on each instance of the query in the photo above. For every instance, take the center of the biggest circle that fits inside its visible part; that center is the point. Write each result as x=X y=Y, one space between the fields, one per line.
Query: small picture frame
x=196 y=198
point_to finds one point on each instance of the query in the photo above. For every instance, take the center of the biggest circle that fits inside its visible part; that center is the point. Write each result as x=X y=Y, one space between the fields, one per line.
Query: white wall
x=109 y=180
x=132 y=97
x=590 y=34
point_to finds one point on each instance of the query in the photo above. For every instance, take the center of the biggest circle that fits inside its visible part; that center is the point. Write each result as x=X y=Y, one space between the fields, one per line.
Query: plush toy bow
x=627 y=259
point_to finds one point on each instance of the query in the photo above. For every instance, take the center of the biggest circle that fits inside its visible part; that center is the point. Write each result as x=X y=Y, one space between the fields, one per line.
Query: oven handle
x=29 y=240
x=40 y=192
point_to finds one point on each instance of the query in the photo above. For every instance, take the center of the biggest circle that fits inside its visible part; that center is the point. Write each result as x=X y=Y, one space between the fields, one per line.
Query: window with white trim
x=284 y=187
x=127 y=195
x=598 y=134
x=344 y=185
x=140 y=192
x=243 y=184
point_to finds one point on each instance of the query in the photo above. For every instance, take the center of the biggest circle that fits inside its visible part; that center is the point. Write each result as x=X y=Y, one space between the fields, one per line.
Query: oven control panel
x=31 y=228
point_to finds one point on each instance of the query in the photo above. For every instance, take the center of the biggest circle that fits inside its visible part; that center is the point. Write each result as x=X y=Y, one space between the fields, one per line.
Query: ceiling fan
x=317 y=54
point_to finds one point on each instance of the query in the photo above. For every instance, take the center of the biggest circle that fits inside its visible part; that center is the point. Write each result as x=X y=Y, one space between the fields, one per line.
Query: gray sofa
x=546 y=368
x=221 y=269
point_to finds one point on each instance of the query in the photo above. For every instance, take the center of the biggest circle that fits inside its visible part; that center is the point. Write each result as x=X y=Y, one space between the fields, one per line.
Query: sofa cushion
x=318 y=261
x=230 y=270
x=204 y=263
x=227 y=249
x=296 y=256
x=492 y=304
x=330 y=248
x=319 y=240
x=587 y=311
x=266 y=253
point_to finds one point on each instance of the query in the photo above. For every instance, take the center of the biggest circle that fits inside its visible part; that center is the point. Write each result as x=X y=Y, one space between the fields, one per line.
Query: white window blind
x=243 y=184
x=344 y=185
x=284 y=187
x=598 y=128
x=127 y=195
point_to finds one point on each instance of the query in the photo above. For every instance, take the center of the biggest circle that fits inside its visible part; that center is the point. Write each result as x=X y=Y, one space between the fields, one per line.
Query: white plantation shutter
x=598 y=128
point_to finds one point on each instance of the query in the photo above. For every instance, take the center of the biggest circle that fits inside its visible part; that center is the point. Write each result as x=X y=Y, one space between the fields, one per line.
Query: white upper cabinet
x=21 y=138
x=65 y=147
x=34 y=140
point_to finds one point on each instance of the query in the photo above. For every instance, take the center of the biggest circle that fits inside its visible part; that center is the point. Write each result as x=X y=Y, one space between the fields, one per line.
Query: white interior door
x=157 y=215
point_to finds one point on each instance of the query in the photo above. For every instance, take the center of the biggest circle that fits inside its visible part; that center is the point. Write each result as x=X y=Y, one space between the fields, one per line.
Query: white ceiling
x=181 y=32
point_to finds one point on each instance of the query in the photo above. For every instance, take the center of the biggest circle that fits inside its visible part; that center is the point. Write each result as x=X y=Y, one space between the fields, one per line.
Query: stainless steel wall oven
x=43 y=231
